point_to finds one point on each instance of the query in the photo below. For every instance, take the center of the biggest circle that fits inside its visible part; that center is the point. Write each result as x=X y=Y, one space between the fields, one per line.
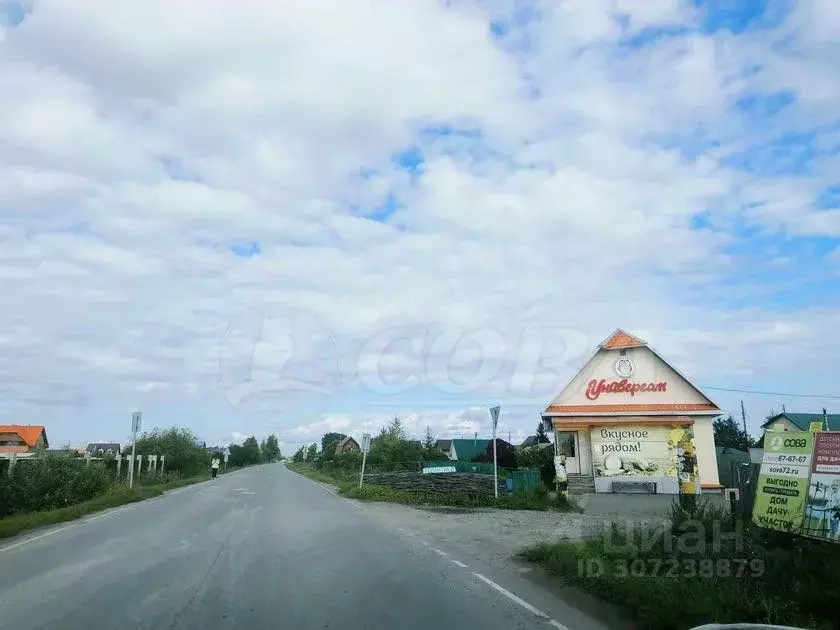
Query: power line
x=752 y=391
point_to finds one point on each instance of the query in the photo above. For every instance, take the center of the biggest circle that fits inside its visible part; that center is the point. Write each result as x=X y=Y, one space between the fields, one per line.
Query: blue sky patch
x=652 y=35
x=792 y=153
x=829 y=198
x=11 y=13
x=246 y=249
x=765 y=105
x=387 y=208
x=410 y=159
x=738 y=16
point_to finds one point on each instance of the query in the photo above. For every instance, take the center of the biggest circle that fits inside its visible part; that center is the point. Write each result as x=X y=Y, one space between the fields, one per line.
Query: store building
x=630 y=422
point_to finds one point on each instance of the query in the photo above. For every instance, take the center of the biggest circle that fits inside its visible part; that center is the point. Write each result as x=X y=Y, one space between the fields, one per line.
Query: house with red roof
x=630 y=422
x=21 y=439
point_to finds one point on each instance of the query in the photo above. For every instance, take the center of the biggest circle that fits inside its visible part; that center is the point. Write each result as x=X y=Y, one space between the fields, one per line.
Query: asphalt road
x=259 y=548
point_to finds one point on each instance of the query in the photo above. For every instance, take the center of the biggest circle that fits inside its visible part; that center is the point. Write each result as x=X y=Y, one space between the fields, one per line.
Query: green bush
x=45 y=483
x=755 y=576
x=179 y=447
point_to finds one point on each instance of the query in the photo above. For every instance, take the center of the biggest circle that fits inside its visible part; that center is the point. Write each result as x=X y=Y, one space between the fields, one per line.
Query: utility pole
x=135 y=427
x=744 y=418
x=494 y=416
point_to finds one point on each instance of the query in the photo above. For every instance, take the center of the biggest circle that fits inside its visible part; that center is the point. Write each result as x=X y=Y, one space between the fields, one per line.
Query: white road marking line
x=440 y=553
x=535 y=611
x=459 y=563
x=34 y=538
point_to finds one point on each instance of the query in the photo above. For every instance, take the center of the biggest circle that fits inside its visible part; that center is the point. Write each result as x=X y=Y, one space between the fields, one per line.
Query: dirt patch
x=492 y=535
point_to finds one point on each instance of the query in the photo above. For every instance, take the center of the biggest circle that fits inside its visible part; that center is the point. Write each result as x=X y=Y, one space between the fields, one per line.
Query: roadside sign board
x=494 y=415
x=822 y=514
x=782 y=489
x=366 y=443
x=136 y=419
x=815 y=427
x=432 y=470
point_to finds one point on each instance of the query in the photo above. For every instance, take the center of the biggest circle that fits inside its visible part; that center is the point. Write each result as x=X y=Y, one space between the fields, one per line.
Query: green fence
x=523 y=480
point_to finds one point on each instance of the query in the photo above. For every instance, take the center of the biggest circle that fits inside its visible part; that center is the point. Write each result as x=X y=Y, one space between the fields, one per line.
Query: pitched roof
x=29 y=433
x=465 y=450
x=444 y=445
x=621 y=339
x=803 y=420
x=345 y=442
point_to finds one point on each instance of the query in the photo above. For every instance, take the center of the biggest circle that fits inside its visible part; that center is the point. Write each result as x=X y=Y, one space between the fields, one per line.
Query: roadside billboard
x=646 y=451
x=782 y=489
x=822 y=514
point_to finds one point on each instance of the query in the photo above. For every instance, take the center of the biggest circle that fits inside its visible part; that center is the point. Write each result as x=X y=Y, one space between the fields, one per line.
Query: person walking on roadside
x=214 y=467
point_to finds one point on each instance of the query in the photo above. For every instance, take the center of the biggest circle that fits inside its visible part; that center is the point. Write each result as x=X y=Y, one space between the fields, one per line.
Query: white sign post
x=365 y=449
x=136 y=419
x=494 y=415
x=226 y=456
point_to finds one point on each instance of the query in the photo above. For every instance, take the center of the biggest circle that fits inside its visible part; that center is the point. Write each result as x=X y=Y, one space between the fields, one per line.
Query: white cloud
x=139 y=140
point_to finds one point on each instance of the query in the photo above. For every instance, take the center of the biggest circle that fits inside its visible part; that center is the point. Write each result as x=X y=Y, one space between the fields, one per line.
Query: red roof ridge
x=29 y=433
x=622 y=339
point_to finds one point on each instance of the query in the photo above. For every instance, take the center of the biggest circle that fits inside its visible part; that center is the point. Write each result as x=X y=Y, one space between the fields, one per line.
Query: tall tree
x=729 y=433
x=271 y=449
x=429 y=442
x=542 y=436
x=396 y=429
x=299 y=455
x=312 y=452
x=252 y=451
x=431 y=450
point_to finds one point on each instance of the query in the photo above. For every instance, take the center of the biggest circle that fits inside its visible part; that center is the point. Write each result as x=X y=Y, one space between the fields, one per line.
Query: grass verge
x=348 y=487
x=114 y=497
x=686 y=574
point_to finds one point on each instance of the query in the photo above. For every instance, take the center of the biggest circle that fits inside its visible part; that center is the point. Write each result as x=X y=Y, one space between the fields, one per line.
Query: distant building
x=98 y=449
x=465 y=450
x=533 y=440
x=347 y=445
x=22 y=439
x=801 y=422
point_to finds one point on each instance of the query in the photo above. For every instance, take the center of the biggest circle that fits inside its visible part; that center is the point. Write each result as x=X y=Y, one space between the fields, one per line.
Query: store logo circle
x=625 y=367
x=284 y=352
x=776 y=443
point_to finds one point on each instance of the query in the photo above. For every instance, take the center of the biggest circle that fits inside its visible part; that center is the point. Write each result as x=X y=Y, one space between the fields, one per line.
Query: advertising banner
x=822 y=514
x=782 y=488
x=646 y=451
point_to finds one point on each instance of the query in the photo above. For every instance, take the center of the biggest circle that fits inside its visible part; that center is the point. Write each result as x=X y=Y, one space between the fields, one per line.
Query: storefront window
x=566 y=444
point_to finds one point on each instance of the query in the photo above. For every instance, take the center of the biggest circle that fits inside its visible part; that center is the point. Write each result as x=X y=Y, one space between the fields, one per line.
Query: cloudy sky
x=290 y=217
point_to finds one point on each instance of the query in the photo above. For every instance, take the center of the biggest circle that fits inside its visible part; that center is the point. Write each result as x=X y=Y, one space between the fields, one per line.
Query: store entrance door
x=567 y=446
